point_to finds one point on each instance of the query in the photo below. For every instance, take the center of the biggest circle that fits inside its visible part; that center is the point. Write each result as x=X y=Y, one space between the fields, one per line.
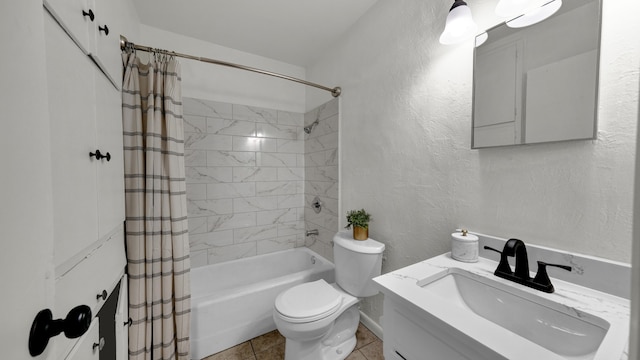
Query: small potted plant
x=359 y=219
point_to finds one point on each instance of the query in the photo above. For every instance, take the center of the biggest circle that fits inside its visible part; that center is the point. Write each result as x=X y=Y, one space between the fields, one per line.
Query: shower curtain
x=157 y=241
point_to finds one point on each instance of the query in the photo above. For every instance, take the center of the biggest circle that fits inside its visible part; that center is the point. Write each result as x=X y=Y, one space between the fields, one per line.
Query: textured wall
x=245 y=172
x=405 y=142
x=321 y=176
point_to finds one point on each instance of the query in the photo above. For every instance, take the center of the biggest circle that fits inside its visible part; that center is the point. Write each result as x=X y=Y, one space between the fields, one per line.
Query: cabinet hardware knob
x=89 y=14
x=105 y=29
x=129 y=322
x=99 y=155
x=99 y=345
x=102 y=295
x=44 y=327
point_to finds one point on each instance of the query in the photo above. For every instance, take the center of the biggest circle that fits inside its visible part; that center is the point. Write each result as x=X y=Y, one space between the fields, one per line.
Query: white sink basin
x=567 y=332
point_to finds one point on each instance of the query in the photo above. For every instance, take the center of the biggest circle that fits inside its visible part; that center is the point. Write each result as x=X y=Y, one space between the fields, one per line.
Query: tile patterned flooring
x=270 y=346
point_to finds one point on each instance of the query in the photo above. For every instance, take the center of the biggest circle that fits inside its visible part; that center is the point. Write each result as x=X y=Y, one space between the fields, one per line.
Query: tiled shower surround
x=321 y=176
x=246 y=175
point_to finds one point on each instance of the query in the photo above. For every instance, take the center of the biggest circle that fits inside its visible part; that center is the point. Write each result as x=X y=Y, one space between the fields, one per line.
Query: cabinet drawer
x=98 y=270
x=95 y=27
x=122 y=316
x=69 y=14
x=88 y=346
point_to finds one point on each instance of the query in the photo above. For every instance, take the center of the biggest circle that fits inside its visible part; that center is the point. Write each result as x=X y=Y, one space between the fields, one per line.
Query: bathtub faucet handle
x=316 y=205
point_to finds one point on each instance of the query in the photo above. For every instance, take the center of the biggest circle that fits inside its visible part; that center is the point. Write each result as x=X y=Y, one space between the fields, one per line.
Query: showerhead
x=309 y=128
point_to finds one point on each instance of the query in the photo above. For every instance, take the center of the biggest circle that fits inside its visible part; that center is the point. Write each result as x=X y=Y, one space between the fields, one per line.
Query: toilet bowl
x=319 y=320
x=323 y=329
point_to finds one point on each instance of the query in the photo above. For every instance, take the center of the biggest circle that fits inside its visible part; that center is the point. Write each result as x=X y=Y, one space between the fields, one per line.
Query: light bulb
x=511 y=8
x=536 y=15
x=460 y=25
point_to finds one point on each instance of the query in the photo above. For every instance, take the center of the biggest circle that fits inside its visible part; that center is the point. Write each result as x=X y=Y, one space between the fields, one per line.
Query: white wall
x=26 y=214
x=406 y=158
x=213 y=82
x=634 y=346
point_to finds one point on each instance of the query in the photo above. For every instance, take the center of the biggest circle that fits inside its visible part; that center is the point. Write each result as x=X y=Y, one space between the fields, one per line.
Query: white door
x=88 y=249
x=26 y=216
x=30 y=256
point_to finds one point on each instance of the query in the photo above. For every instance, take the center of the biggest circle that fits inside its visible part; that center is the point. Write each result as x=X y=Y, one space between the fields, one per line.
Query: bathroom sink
x=565 y=331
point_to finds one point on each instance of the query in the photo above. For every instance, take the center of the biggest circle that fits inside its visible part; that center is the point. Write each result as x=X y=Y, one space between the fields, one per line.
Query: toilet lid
x=308 y=302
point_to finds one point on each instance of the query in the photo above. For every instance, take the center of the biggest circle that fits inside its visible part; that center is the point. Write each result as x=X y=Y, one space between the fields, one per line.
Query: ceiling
x=293 y=31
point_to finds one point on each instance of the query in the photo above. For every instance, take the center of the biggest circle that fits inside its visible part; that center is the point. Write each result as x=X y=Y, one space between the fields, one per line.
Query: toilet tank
x=357 y=263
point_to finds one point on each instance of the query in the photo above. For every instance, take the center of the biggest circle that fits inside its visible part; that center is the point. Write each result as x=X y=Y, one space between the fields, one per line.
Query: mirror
x=538 y=83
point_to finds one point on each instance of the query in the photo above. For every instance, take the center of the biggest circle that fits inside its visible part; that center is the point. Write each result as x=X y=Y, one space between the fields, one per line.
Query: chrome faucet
x=517 y=249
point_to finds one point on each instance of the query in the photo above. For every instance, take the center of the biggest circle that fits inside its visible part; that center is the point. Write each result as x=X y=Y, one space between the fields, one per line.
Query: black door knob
x=44 y=327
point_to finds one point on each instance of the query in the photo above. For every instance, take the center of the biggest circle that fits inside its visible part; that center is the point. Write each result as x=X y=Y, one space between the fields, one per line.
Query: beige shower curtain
x=156 y=211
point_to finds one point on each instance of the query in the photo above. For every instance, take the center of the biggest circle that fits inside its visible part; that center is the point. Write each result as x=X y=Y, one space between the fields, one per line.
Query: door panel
x=88 y=346
x=70 y=76
x=109 y=139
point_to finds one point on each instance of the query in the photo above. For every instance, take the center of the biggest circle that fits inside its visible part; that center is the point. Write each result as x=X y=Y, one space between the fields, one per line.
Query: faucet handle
x=503 y=266
x=492 y=249
x=542 y=278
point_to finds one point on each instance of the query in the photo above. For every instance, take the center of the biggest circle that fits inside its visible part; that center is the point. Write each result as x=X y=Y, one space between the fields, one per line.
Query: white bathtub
x=232 y=302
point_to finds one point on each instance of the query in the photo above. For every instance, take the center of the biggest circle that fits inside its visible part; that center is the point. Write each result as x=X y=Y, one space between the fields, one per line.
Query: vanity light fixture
x=460 y=25
x=481 y=38
x=535 y=15
x=511 y=8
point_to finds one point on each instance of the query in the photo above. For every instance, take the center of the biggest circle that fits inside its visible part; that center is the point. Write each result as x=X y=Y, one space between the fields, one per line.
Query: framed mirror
x=538 y=83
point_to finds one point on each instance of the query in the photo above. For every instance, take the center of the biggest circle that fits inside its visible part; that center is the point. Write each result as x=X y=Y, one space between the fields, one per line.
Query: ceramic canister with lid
x=464 y=246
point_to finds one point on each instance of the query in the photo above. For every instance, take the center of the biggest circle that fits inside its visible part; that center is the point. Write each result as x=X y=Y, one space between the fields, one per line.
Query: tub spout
x=313 y=232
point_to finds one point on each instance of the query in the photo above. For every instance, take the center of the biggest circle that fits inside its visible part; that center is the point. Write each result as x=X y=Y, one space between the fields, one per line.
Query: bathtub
x=232 y=302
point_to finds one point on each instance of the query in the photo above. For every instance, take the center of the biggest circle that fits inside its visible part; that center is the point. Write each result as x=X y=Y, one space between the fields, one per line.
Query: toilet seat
x=308 y=302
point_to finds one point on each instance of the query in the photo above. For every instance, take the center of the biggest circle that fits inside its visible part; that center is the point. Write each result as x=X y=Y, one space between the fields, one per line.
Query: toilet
x=319 y=320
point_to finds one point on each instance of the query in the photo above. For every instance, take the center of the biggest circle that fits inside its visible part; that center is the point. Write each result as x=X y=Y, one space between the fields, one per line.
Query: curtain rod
x=124 y=43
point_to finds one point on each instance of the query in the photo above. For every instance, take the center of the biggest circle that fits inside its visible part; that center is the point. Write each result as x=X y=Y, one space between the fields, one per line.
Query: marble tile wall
x=245 y=180
x=321 y=176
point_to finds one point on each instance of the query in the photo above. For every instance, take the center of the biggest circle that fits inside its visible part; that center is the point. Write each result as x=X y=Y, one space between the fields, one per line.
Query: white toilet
x=319 y=320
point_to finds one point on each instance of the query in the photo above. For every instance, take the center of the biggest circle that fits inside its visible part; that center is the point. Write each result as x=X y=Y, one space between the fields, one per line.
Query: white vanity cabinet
x=95 y=26
x=411 y=334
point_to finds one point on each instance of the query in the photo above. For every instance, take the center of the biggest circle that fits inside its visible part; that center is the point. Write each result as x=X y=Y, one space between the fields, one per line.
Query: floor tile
x=275 y=352
x=356 y=355
x=271 y=346
x=264 y=342
x=364 y=336
x=373 y=351
x=243 y=351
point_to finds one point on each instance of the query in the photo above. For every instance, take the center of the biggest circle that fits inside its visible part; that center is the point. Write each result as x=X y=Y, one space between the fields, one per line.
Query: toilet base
x=337 y=344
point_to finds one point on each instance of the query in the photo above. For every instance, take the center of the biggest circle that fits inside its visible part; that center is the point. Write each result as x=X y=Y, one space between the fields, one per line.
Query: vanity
x=441 y=308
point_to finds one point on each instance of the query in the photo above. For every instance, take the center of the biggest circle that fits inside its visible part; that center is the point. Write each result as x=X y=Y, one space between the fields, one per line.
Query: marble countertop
x=402 y=286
